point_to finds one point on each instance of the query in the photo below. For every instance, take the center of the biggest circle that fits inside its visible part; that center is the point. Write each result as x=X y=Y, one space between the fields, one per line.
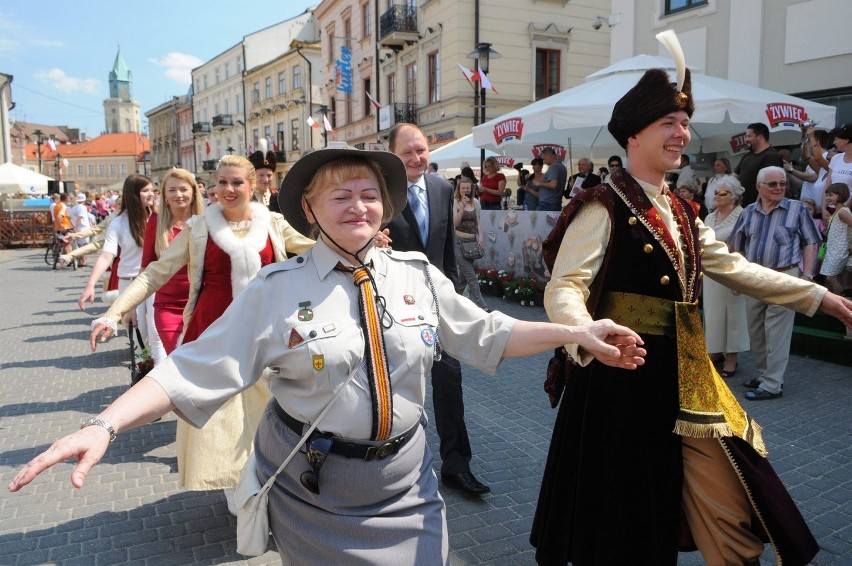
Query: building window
x=368 y=106
x=347 y=33
x=255 y=93
x=675 y=6
x=101 y=170
x=330 y=34
x=268 y=89
x=205 y=81
x=546 y=72
x=255 y=136
x=91 y=171
x=227 y=106
x=279 y=136
x=297 y=76
x=282 y=82
x=434 y=78
x=391 y=88
x=217 y=75
x=333 y=113
x=227 y=71
x=411 y=83
x=294 y=134
x=365 y=20
x=267 y=133
x=239 y=63
x=239 y=103
x=79 y=170
x=112 y=169
x=123 y=169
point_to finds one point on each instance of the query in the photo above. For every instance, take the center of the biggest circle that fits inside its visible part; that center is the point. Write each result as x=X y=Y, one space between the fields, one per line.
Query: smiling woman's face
x=349 y=212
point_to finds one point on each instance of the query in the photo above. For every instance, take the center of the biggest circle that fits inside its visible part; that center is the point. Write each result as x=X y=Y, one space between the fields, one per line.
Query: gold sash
x=708 y=408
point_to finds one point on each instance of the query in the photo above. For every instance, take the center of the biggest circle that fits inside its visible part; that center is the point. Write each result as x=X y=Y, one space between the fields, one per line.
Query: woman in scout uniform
x=366 y=491
x=223 y=250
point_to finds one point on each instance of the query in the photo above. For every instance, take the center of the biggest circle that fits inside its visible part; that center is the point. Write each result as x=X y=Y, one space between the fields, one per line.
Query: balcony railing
x=404 y=113
x=398 y=26
x=223 y=121
x=201 y=128
x=208 y=165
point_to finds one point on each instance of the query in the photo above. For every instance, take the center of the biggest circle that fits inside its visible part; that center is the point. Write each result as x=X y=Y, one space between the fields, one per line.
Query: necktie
x=378 y=373
x=417 y=202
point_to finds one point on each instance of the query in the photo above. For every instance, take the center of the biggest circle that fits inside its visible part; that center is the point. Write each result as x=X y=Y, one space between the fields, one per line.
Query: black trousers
x=448 y=404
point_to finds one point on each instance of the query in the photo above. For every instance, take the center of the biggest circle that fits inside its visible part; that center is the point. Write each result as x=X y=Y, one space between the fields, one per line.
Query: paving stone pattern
x=132 y=512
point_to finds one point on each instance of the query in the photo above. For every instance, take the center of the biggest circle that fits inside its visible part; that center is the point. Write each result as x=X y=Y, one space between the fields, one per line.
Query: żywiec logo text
x=781 y=114
x=508 y=129
x=560 y=150
x=738 y=142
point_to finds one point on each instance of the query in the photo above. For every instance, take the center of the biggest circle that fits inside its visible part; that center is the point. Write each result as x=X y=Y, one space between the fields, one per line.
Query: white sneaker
x=65 y=260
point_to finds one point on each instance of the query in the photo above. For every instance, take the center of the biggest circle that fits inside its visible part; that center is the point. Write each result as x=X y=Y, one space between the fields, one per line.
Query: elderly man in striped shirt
x=777 y=233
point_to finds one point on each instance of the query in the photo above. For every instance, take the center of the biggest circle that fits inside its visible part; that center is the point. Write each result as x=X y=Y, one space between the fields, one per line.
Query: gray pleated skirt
x=383 y=512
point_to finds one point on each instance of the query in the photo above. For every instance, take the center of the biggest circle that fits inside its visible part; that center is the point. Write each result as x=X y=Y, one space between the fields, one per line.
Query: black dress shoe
x=466 y=482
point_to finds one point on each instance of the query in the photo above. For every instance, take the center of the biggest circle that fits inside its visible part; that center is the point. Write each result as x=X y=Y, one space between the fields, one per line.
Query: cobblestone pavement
x=131 y=510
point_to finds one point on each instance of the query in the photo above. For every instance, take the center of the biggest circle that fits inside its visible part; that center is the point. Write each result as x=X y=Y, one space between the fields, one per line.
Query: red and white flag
x=483 y=80
x=312 y=123
x=51 y=144
x=207 y=148
x=468 y=74
x=373 y=101
x=65 y=164
x=327 y=125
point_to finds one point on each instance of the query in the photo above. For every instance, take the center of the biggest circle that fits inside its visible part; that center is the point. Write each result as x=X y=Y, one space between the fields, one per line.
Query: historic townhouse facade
x=408 y=59
x=163 y=133
x=218 y=109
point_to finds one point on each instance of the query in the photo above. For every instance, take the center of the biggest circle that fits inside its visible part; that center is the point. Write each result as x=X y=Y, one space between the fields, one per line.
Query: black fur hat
x=263 y=159
x=653 y=97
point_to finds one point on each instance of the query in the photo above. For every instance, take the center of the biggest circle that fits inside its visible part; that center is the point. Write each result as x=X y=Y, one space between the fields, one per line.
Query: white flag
x=312 y=123
x=484 y=82
x=327 y=125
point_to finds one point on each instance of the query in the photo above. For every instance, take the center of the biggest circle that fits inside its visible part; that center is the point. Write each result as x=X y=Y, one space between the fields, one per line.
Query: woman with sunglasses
x=366 y=492
x=725 y=325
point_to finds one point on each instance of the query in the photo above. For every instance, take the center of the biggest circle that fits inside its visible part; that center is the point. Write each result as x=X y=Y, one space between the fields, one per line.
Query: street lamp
x=230 y=150
x=324 y=111
x=59 y=168
x=483 y=55
x=39 y=140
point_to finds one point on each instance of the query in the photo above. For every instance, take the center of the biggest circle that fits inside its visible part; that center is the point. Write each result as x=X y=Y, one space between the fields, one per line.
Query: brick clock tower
x=121 y=112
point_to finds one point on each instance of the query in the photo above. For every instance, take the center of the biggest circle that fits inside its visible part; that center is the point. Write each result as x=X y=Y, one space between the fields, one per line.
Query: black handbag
x=471 y=250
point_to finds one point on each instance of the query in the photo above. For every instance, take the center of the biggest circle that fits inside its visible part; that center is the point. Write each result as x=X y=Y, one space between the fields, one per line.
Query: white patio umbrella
x=16 y=179
x=578 y=116
x=450 y=156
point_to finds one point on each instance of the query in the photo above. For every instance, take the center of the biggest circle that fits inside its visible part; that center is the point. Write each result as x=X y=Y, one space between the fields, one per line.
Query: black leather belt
x=364 y=452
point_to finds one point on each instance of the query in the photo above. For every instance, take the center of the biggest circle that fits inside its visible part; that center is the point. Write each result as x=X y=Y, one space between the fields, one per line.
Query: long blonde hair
x=164 y=215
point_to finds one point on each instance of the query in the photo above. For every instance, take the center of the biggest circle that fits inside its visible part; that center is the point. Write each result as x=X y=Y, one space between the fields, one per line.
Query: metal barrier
x=25 y=228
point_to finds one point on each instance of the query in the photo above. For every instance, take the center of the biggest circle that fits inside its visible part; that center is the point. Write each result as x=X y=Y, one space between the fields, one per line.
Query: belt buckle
x=383 y=451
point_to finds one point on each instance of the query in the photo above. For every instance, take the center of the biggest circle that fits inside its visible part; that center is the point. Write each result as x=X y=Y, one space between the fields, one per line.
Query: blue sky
x=61 y=53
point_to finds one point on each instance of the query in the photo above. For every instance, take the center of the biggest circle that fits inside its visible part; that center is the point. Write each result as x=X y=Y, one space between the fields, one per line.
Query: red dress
x=170 y=299
x=216 y=293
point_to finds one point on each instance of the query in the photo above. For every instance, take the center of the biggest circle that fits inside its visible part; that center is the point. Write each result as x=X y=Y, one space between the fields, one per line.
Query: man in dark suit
x=584 y=179
x=434 y=197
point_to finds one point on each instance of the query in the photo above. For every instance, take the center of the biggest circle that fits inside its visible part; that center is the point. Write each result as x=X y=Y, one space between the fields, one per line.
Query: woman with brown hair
x=181 y=201
x=466 y=211
x=492 y=185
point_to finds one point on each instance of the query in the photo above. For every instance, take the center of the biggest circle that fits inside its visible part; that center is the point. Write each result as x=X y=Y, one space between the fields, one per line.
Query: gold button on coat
x=648 y=248
x=632 y=221
x=664 y=280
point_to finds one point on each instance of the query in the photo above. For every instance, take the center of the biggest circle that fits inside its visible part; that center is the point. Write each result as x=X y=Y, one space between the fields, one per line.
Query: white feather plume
x=669 y=39
x=262 y=145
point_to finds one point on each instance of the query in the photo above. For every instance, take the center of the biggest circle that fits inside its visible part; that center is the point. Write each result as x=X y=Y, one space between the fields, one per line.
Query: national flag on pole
x=468 y=74
x=207 y=148
x=51 y=144
x=327 y=125
x=373 y=101
x=312 y=123
x=65 y=164
x=483 y=80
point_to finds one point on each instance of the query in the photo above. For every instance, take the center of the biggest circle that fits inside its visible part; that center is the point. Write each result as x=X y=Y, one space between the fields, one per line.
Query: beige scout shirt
x=581 y=255
x=308 y=358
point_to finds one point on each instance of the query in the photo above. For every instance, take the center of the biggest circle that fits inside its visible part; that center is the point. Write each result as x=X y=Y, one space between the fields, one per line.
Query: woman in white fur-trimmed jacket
x=224 y=249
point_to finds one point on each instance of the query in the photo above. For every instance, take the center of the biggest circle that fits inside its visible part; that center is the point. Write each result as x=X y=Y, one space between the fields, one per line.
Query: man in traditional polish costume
x=644 y=464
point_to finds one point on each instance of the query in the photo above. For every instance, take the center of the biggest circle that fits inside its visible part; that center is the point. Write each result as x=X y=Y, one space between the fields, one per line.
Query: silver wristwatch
x=101 y=423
